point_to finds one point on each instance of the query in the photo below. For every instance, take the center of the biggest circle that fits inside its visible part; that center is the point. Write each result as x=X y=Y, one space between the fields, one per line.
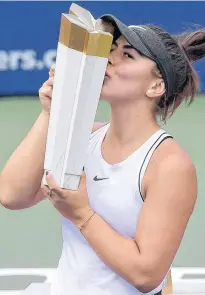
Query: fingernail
x=83 y=168
x=47 y=172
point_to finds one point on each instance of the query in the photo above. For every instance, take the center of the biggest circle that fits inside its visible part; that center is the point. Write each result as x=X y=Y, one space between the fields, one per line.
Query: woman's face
x=129 y=75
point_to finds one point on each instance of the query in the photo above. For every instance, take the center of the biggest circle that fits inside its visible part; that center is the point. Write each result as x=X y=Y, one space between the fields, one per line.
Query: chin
x=103 y=94
x=106 y=95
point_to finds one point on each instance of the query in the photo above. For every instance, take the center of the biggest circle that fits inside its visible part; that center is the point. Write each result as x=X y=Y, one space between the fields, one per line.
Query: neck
x=132 y=122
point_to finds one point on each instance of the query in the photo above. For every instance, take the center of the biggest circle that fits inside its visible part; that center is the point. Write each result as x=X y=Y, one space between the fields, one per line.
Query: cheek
x=134 y=74
x=128 y=82
x=136 y=80
x=118 y=88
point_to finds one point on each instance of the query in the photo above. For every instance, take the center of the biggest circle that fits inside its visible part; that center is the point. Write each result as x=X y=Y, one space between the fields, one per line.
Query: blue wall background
x=29 y=34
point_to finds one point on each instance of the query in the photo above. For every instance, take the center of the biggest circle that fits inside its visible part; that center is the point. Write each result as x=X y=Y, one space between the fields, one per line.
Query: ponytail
x=193 y=44
x=184 y=50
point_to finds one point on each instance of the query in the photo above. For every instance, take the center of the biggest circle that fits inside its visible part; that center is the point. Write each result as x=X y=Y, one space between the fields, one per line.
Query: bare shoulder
x=171 y=165
x=171 y=156
x=98 y=125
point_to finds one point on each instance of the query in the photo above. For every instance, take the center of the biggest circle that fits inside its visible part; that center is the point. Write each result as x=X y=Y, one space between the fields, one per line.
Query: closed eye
x=128 y=55
x=135 y=54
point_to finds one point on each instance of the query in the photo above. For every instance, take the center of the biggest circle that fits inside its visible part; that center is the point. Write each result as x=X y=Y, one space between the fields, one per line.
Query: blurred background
x=31 y=239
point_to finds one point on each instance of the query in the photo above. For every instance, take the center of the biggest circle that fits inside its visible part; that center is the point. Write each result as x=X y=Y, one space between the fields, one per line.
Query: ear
x=156 y=89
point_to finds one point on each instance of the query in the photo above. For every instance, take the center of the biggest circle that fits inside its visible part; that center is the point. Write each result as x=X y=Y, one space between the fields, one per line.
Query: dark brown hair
x=184 y=49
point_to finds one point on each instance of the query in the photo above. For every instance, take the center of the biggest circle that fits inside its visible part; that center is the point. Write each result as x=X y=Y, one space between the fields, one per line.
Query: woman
x=124 y=225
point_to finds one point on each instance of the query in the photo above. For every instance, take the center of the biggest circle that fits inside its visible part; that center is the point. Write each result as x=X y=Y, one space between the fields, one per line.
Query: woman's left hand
x=73 y=205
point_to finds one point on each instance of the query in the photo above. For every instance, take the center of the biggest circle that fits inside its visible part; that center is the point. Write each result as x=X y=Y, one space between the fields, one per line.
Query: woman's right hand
x=45 y=92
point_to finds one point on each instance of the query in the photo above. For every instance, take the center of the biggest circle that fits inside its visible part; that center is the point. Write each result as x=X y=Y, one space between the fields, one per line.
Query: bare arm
x=145 y=260
x=20 y=180
x=21 y=177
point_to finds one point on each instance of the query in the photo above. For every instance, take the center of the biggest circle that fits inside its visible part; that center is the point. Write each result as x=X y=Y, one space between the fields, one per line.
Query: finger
x=53 y=67
x=46 y=91
x=49 y=82
x=52 y=71
x=51 y=181
x=56 y=192
x=50 y=194
x=83 y=176
x=82 y=180
x=46 y=191
x=53 y=185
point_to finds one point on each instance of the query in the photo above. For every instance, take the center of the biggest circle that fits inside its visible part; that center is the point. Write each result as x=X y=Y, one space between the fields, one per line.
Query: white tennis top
x=117 y=199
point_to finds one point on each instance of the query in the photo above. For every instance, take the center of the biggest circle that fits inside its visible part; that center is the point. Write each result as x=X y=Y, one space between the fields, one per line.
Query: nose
x=114 y=58
x=109 y=62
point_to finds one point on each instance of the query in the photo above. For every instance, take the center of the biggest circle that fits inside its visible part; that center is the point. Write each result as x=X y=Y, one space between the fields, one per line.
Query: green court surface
x=32 y=237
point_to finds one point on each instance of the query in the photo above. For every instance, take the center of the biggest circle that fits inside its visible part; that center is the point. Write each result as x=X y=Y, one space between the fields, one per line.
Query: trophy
x=81 y=61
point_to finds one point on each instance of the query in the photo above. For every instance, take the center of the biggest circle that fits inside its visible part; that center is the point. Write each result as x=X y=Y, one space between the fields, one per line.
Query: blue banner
x=29 y=34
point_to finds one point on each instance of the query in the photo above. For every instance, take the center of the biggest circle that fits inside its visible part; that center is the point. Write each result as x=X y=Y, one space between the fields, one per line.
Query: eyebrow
x=127 y=46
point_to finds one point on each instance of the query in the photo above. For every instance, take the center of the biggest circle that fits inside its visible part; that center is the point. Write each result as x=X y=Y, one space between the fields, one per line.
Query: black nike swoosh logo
x=97 y=179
